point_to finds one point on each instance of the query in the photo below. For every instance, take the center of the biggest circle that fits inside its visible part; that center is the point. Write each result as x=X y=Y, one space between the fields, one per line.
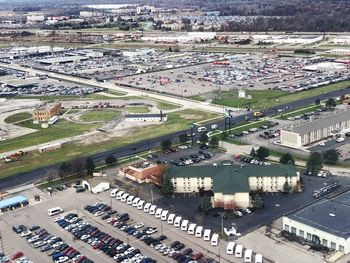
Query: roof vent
x=332 y=215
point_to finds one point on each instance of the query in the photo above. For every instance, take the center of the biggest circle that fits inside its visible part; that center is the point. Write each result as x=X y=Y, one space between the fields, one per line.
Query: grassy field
x=116 y=93
x=176 y=121
x=271 y=98
x=138 y=109
x=18 y=117
x=301 y=111
x=197 y=97
x=166 y=106
x=99 y=115
x=61 y=129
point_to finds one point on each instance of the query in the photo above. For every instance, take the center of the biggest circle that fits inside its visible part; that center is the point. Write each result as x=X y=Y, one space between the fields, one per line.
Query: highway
x=141 y=146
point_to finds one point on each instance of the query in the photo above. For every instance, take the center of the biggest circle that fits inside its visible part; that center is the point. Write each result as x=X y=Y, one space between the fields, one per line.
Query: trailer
x=119 y=195
x=239 y=251
x=215 y=240
x=230 y=249
x=199 y=231
x=140 y=204
x=184 y=225
x=147 y=207
x=136 y=201
x=191 y=229
x=164 y=215
x=130 y=199
x=152 y=209
x=248 y=254
x=158 y=212
x=177 y=222
x=258 y=258
x=207 y=235
x=171 y=218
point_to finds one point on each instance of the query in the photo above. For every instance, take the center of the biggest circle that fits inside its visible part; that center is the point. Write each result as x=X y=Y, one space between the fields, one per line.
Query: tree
x=262 y=153
x=64 y=169
x=214 y=142
x=166 y=185
x=89 y=166
x=110 y=160
x=183 y=138
x=331 y=103
x=287 y=158
x=317 y=101
x=77 y=166
x=314 y=163
x=166 y=144
x=286 y=187
x=204 y=138
x=206 y=204
x=257 y=202
x=252 y=152
x=331 y=156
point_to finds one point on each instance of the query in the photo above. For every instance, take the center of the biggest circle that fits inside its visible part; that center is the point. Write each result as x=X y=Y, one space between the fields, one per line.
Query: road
x=141 y=146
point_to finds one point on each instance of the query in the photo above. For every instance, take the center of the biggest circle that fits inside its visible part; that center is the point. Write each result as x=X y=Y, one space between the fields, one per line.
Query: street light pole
x=2 y=244
x=152 y=200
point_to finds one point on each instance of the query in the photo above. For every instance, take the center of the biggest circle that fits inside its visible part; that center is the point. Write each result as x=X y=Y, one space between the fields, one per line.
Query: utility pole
x=152 y=200
x=2 y=244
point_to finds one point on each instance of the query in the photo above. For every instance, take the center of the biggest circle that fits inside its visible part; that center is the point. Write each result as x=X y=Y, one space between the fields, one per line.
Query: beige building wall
x=241 y=200
x=272 y=184
x=192 y=184
x=290 y=139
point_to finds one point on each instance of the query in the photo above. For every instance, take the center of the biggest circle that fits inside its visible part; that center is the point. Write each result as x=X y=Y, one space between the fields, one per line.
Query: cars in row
x=192 y=158
x=330 y=187
x=250 y=160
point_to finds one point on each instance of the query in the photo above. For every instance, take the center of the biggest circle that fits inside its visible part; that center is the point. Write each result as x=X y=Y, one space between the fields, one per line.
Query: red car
x=80 y=259
x=17 y=255
x=197 y=256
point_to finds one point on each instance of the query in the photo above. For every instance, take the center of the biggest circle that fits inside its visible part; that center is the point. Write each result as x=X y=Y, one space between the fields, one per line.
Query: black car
x=187 y=251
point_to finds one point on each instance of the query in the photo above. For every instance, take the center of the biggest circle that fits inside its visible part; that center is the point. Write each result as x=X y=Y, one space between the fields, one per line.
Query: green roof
x=229 y=179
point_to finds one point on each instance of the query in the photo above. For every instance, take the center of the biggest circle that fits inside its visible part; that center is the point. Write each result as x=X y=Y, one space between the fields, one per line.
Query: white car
x=238 y=213
x=25 y=233
x=151 y=231
x=62 y=259
x=98 y=213
x=58 y=218
x=340 y=139
x=139 y=225
x=247 y=210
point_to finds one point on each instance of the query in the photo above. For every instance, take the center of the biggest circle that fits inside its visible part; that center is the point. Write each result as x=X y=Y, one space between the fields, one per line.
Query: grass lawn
x=301 y=111
x=61 y=129
x=176 y=121
x=99 y=115
x=137 y=109
x=116 y=93
x=270 y=98
x=18 y=117
x=166 y=106
x=197 y=97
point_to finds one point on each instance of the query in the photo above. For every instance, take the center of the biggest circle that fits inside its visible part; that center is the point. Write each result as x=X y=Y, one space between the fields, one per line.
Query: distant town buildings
x=46 y=111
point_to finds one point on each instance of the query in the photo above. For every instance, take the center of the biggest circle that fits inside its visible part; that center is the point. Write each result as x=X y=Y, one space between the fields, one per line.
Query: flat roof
x=20 y=83
x=145 y=115
x=61 y=59
x=230 y=179
x=329 y=215
x=13 y=201
x=319 y=124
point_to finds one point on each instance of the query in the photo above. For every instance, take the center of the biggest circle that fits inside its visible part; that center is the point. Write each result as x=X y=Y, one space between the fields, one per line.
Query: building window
x=301 y=233
x=293 y=230
x=286 y=227
x=333 y=245
x=308 y=236
x=324 y=242
x=341 y=248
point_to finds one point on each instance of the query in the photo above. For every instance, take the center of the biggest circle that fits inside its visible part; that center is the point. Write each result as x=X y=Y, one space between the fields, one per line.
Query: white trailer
x=177 y=222
x=136 y=201
x=159 y=212
x=207 y=235
x=248 y=254
x=114 y=192
x=164 y=215
x=184 y=225
x=147 y=207
x=230 y=249
x=191 y=229
x=215 y=240
x=130 y=199
x=171 y=218
x=124 y=197
x=152 y=209
x=239 y=251
x=140 y=204
x=119 y=195
x=258 y=258
x=199 y=231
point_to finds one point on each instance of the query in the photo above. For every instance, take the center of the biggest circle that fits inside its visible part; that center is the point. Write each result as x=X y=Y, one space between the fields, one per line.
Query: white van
x=199 y=231
x=214 y=240
x=258 y=258
x=159 y=212
x=54 y=211
x=147 y=207
x=177 y=222
x=171 y=218
x=130 y=199
x=191 y=229
x=207 y=235
x=230 y=249
x=184 y=225
x=152 y=209
x=140 y=204
x=136 y=201
x=119 y=195
x=124 y=197
x=239 y=251
x=114 y=192
x=202 y=129
x=164 y=215
x=248 y=254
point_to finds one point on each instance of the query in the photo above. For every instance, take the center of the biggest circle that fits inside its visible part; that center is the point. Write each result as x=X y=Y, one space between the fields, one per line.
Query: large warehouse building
x=310 y=132
x=324 y=223
x=232 y=184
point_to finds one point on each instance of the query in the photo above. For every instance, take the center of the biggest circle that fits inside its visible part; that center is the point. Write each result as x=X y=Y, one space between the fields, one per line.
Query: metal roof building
x=59 y=60
x=325 y=222
x=13 y=202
